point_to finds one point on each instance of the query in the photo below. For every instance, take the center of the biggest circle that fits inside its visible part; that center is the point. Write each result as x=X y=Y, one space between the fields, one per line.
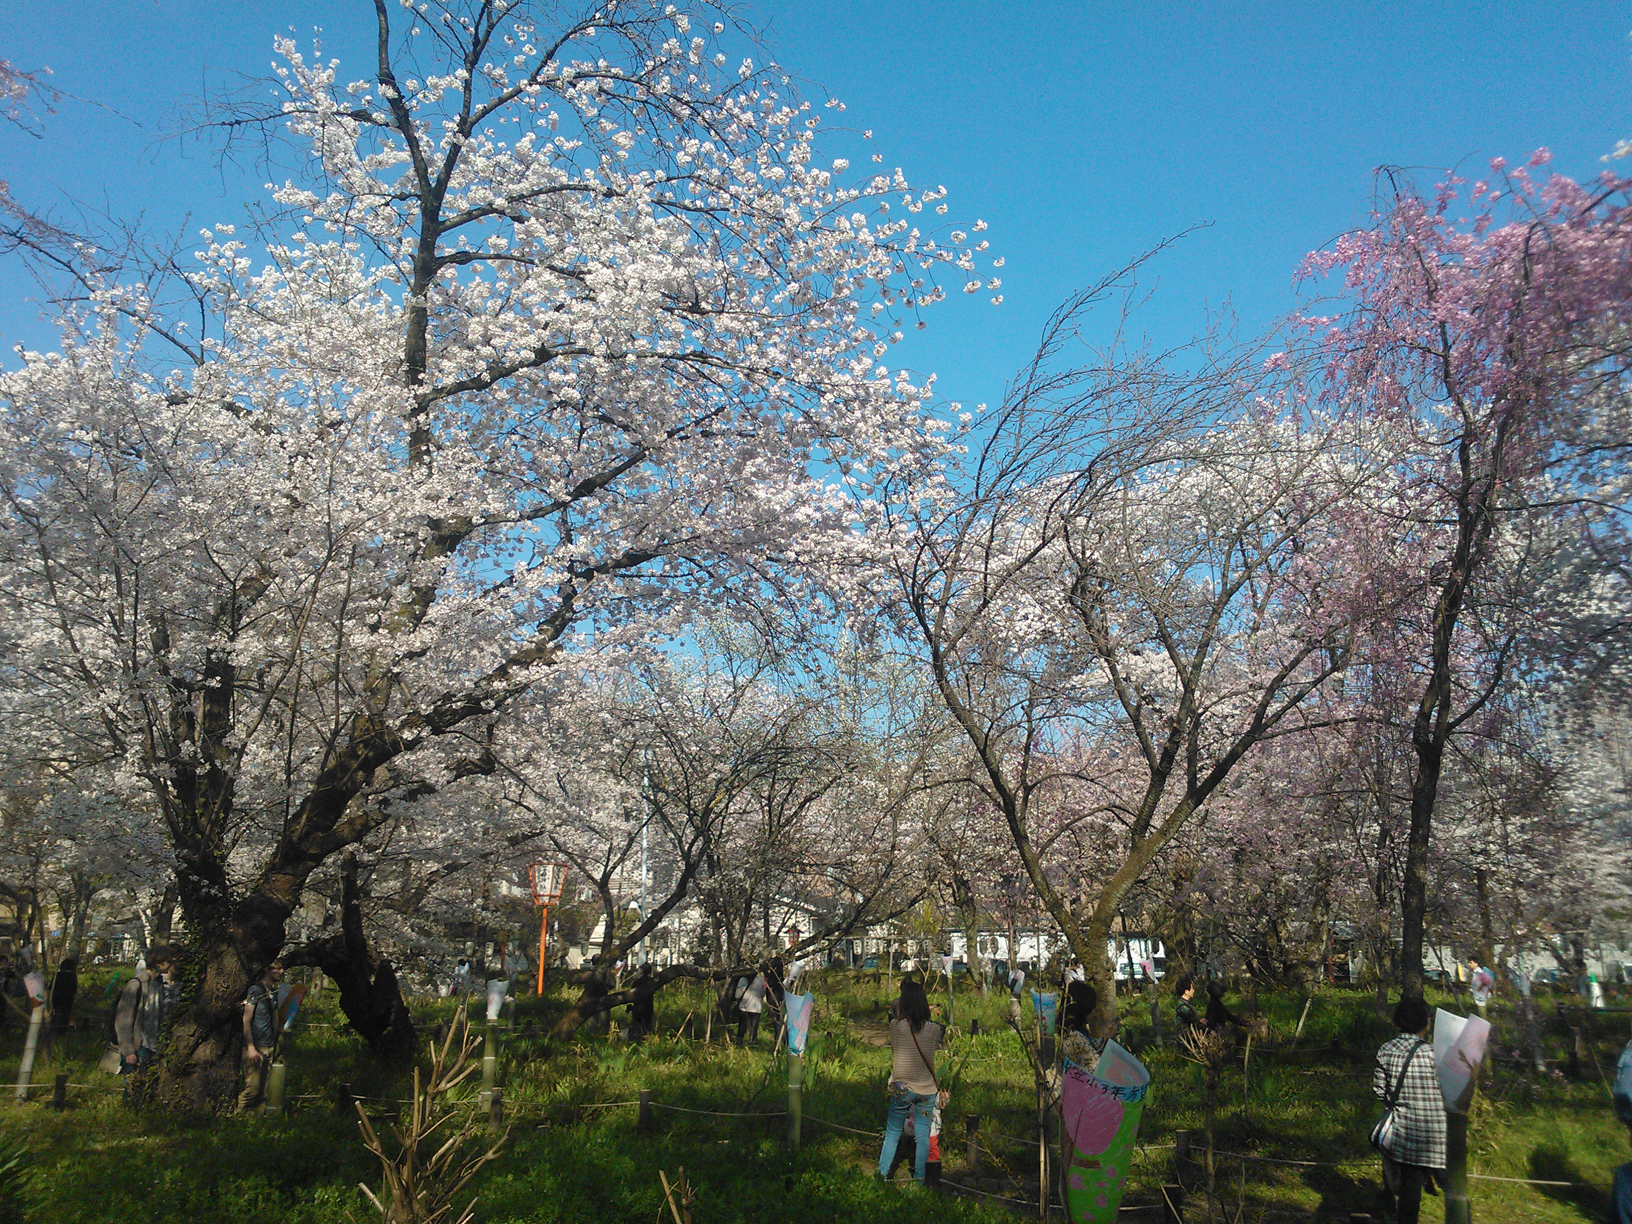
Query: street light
x=546 y=881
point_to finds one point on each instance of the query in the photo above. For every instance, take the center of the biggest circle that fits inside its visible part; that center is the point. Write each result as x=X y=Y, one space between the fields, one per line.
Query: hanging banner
x=290 y=997
x=1100 y=1111
x=946 y=965
x=34 y=984
x=497 y=989
x=1048 y=1009
x=1459 y=1048
x=1149 y=970
x=799 y=1008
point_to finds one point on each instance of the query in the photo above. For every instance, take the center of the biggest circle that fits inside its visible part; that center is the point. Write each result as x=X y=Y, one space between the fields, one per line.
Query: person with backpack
x=261 y=1030
x=914 y=1039
x=1411 y=1133
x=143 y=1011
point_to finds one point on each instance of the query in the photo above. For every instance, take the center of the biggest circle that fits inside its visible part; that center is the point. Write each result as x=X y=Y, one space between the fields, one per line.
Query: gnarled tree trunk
x=370 y=995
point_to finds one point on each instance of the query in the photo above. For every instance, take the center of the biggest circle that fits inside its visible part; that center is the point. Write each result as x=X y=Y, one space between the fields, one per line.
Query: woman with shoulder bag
x=1411 y=1133
x=914 y=1039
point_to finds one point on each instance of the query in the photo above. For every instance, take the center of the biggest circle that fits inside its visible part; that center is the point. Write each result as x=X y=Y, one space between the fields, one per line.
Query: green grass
x=569 y=1161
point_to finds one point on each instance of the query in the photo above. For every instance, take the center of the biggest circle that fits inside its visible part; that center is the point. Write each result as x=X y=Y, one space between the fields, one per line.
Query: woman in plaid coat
x=1414 y=1151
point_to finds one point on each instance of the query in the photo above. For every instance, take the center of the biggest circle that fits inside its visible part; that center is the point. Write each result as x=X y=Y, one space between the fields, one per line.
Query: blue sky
x=1082 y=132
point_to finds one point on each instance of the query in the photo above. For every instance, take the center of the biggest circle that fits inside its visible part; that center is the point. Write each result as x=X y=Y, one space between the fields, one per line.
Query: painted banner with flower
x=1101 y=1111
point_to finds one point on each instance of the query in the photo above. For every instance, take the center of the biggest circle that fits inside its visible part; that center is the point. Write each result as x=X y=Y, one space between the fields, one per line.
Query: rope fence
x=1324 y=1164
x=51 y=1092
x=45 y=1087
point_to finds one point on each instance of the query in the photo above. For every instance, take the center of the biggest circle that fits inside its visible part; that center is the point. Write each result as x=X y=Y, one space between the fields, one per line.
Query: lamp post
x=546 y=880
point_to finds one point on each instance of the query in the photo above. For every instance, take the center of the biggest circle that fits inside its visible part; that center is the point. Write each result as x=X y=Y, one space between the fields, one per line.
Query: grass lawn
x=573 y=1156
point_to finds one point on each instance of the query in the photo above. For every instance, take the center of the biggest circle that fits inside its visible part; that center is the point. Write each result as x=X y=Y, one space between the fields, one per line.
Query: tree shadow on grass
x=1341 y=1195
x=1550 y=1163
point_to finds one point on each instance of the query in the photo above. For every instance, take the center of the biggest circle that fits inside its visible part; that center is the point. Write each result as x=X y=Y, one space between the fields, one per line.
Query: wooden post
x=25 y=1069
x=1173 y=1204
x=59 y=1093
x=796 y=1099
x=1181 y=1149
x=1304 y=1015
x=495 y=1111
x=490 y=1058
x=343 y=1098
x=974 y=1026
x=1457 y=1210
x=1042 y=1150
x=971 y=1141
x=643 y=1120
x=274 y=1088
x=1575 y=1051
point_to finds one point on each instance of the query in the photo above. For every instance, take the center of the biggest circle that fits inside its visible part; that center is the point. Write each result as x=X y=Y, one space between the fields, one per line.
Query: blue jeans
x=921 y=1105
x=1622 y=1195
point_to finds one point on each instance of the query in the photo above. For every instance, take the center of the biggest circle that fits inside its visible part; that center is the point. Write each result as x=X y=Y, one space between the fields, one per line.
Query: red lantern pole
x=547 y=881
x=543 y=929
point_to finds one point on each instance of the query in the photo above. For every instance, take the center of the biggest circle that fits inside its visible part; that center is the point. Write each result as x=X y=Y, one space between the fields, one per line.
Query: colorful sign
x=1459 y=1048
x=289 y=1000
x=1100 y=1111
x=799 y=1008
x=1048 y=1009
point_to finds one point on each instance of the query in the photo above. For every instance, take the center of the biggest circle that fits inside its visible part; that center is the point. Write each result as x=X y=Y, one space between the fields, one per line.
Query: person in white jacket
x=750 y=1005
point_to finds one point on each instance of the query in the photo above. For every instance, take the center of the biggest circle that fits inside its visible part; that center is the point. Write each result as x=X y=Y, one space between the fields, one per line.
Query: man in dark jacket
x=63 y=992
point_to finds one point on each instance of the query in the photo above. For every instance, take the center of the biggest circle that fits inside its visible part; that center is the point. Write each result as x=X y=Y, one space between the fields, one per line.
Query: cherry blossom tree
x=566 y=335
x=1486 y=339
x=1147 y=559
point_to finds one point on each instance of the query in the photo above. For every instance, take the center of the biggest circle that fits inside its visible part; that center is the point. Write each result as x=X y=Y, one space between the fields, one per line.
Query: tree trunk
x=370 y=995
x=1101 y=974
x=229 y=946
x=78 y=912
x=977 y=966
x=590 y=1009
x=1414 y=893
